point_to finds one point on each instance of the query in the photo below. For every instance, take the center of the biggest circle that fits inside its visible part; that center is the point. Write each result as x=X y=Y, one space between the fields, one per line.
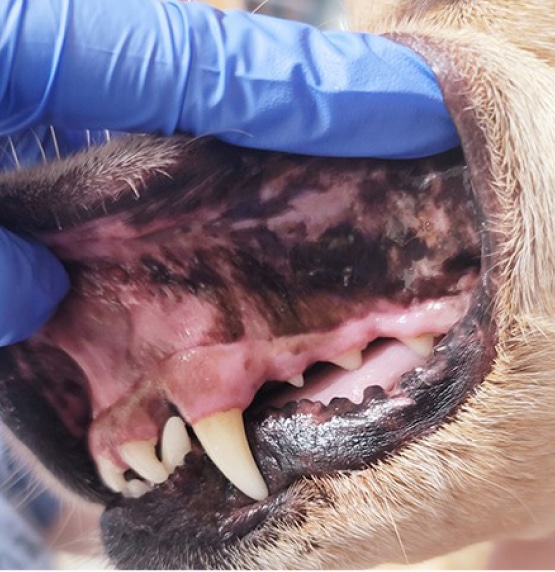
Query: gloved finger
x=32 y=283
x=147 y=65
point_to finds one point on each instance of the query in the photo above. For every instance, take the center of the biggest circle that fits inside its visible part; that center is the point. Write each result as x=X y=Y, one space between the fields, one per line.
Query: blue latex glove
x=151 y=66
x=32 y=283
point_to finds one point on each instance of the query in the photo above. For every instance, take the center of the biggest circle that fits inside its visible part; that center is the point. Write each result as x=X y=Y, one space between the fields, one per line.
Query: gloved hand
x=152 y=66
x=32 y=283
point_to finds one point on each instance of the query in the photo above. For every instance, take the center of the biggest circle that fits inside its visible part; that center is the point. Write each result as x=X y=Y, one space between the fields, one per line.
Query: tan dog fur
x=490 y=473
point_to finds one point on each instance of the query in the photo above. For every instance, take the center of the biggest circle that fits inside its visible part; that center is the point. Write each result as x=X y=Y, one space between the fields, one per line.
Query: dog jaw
x=489 y=473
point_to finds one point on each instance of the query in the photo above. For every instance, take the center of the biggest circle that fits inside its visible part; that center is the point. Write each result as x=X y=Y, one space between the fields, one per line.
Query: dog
x=201 y=271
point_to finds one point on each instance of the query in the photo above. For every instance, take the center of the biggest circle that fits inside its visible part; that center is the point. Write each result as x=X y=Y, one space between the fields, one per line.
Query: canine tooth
x=297 y=380
x=175 y=443
x=223 y=437
x=135 y=489
x=421 y=345
x=111 y=474
x=350 y=360
x=140 y=456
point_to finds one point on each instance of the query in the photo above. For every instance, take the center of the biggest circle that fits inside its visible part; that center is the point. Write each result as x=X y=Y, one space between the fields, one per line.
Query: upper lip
x=307 y=439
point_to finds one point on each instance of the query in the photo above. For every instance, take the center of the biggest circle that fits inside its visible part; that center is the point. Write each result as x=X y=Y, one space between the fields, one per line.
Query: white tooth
x=350 y=360
x=421 y=345
x=175 y=443
x=111 y=474
x=141 y=457
x=135 y=489
x=297 y=380
x=223 y=437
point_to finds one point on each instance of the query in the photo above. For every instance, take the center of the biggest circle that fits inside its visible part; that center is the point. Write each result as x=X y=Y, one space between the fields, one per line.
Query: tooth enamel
x=135 y=489
x=175 y=443
x=111 y=474
x=223 y=437
x=297 y=380
x=350 y=360
x=140 y=456
x=421 y=345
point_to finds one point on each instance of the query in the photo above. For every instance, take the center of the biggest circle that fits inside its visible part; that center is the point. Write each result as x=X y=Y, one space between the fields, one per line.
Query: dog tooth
x=111 y=474
x=350 y=360
x=421 y=345
x=141 y=457
x=297 y=380
x=135 y=489
x=175 y=443
x=224 y=440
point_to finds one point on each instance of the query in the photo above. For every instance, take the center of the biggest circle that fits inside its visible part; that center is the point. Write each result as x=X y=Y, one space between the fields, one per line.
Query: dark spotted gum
x=183 y=243
x=287 y=232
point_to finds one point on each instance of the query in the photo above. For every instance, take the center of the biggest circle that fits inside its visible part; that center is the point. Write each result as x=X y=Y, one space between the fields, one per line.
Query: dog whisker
x=396 y=530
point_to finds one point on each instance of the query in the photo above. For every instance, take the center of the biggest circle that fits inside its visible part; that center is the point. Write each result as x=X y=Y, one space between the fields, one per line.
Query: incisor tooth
x=140 y=456
x=111 y=474
x=175 y=443
x=223 y=437
x=421 y=345
x=350 y=360
x=135 y=489
x=297 y=380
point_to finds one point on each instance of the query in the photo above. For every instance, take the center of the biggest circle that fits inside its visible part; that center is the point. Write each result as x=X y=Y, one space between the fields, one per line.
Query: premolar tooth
x=350 y=360
x=421 y=345
x=175 y=443
x=140 y=456
x=297 y=380
x=111 y=474
x=223 y=437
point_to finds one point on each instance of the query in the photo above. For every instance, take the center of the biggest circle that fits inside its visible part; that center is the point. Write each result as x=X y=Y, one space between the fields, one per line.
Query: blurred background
x=322 y=13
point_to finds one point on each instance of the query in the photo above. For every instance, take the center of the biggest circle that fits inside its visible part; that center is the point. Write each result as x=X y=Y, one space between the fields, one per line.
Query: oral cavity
x=223 y=438
x=154 y=450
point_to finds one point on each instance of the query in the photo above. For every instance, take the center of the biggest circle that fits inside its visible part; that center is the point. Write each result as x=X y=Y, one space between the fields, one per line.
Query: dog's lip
x=427 y=404
x=282 y=442
x=470 y=347
x=294 y=456
x=308 y=440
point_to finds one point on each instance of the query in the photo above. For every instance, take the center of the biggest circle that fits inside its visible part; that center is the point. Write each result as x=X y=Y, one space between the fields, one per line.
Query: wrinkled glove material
x=249 y=79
